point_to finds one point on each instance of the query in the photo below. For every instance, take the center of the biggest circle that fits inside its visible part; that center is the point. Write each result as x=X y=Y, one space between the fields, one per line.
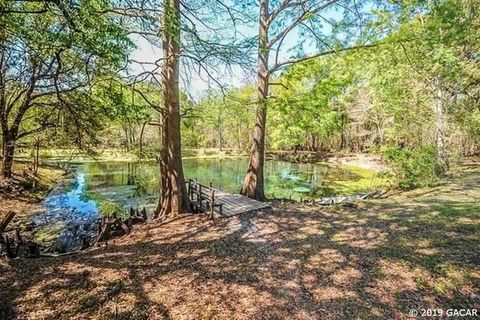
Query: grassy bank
x=68 y=155
x=23 y=192
x=74 y=154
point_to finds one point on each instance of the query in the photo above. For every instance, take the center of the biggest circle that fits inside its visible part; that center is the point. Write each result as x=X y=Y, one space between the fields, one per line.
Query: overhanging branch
x=280 y=65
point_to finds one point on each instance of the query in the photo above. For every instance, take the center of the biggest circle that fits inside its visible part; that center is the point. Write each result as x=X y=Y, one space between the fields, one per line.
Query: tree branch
x=280 y=65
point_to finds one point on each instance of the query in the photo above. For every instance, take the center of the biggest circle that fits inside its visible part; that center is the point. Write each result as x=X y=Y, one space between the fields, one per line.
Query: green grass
x=61 y=155
x=366 y=179
x=436 y=235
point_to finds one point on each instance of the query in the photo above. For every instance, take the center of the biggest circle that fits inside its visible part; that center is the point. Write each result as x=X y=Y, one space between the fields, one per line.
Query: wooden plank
x=233 y=204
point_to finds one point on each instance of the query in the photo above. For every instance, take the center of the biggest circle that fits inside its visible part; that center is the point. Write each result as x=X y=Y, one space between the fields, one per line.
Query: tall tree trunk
x=440 y=126
x=253 y=185
x=220 y=132
x=36 y=156
x=132 y=134
x=140 y=143
x=173 y=197
x=240 y=144
x=9 y=141
x=127 y=140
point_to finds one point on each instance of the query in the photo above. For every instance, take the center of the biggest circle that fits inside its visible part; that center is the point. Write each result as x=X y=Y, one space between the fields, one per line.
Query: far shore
x=361 y=160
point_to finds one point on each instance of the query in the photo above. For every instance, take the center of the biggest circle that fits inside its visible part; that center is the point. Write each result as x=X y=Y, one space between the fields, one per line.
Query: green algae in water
x=365 y=181
x=118 y=186
x=126 y=182
x=103 y=188
x=47 y=234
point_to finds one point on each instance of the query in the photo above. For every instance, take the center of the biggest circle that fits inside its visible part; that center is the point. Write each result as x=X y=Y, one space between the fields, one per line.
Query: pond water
x=72 y=209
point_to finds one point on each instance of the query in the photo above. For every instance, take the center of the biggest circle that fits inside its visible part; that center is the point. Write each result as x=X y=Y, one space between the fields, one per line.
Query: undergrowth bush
x=109 y=209
x=413 y=168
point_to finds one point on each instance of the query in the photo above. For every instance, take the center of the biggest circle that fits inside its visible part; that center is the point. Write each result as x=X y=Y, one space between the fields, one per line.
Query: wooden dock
x=226 y=204
x=234 y=204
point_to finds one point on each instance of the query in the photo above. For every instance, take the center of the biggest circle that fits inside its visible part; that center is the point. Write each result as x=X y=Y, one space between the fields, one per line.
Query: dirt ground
x=18 y=194
x=376 y=260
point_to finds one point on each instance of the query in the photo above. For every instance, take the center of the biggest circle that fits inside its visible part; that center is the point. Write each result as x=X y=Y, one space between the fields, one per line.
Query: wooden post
x=6 y=220
x=200 y=198
x=212 y=204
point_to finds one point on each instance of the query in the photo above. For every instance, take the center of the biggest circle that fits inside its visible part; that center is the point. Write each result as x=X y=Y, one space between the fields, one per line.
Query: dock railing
x=202 y=197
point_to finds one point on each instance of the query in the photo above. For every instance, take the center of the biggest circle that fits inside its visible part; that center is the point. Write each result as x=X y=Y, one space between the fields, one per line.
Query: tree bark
x=220 y=133
x=9 y=141
x=35 y=155
x=440 y=126
x=127 y=140
x=253 y=185
x=140 y=143
x=173 y=196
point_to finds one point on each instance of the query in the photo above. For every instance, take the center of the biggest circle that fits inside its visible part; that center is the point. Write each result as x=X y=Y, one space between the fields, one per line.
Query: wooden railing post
x=199 y=196
x=189 y=189
x=212 y=204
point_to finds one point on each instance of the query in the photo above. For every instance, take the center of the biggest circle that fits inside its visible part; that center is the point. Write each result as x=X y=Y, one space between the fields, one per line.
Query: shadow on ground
x=377 y=261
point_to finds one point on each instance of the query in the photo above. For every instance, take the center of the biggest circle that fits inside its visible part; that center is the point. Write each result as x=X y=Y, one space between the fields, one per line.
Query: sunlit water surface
x=73 y=207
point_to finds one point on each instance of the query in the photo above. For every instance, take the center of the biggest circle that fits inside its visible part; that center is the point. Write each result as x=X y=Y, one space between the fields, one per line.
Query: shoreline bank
x=361 y=160
x=24 y=193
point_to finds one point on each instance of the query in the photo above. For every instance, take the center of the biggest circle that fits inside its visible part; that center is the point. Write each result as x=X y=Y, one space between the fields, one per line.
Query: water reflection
x=74 y=199
x=73 y=206
x=127 y=183
x=68 y=216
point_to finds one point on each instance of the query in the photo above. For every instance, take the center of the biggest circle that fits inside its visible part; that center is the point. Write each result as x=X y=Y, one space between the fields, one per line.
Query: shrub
x=413 y=168
x=108 y=209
